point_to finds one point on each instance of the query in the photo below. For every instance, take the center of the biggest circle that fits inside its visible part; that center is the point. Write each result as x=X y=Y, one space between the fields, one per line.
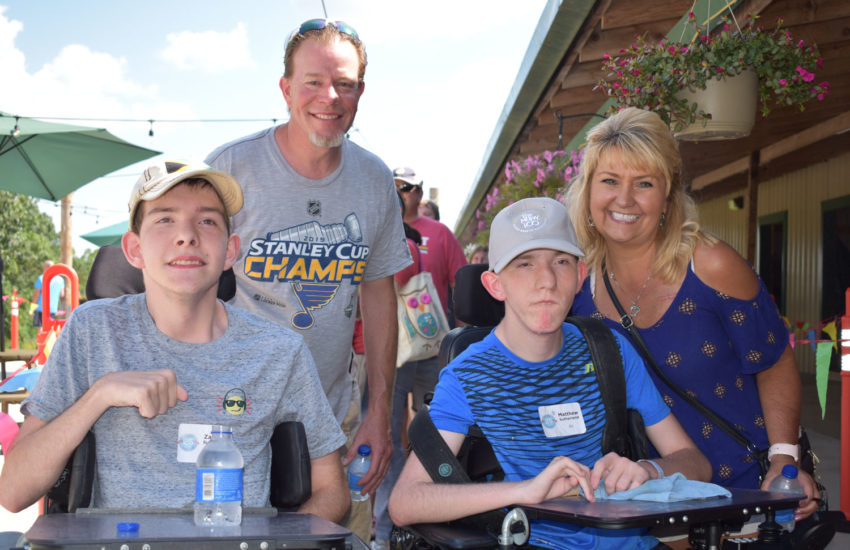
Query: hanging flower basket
x=732 y=102
x=656 y=75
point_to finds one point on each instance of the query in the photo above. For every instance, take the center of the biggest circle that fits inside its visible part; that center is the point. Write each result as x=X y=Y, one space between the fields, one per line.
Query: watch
x=784 y=449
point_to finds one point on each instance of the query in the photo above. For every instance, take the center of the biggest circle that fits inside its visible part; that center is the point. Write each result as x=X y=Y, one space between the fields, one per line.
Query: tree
x=27 y=239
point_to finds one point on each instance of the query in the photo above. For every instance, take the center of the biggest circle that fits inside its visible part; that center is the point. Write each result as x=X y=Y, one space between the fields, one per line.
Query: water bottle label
x=218 y=484
x=353 y=480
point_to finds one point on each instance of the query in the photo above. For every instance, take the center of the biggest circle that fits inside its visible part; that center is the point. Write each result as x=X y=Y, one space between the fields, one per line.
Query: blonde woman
x=703 y=312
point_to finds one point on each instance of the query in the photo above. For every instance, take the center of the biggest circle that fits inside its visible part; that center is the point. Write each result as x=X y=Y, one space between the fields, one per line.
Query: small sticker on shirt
x=191 y=438
x=561 y=420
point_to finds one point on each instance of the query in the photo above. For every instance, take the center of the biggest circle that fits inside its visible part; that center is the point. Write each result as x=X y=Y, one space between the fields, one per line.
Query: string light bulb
x=150 y=132
x=16 y=131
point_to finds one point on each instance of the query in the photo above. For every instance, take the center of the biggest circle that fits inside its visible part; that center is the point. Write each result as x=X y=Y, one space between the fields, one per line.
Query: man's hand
x=375 y=432
x=153 y=392
x=561 y=476
x=619 y=473
x=808 y=505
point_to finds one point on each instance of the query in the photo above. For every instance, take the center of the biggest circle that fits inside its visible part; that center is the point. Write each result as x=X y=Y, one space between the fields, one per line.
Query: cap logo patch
x=531 y=220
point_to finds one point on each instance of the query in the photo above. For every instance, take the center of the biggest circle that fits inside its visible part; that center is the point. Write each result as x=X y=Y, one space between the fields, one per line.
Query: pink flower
x=820 y=97
x=807 y=76
x=606 y=56
x=783 y=82
x=820 y=62
x=684 y=49
x=719 y=69
x=671 y=49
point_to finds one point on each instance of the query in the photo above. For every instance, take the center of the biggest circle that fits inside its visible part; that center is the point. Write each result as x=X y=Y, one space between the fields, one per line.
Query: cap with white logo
x=538 y=222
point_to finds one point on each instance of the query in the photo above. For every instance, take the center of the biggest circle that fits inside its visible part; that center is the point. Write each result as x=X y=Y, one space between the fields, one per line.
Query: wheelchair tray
x=619 y=514
x=161 y=531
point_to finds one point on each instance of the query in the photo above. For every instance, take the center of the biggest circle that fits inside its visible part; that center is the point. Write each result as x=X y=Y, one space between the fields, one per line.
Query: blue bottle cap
x=789 y=471
x=364 y=450
x=128 y=527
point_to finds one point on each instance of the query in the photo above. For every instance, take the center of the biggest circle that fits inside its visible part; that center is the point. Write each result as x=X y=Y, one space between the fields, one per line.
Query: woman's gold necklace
x=635 y=308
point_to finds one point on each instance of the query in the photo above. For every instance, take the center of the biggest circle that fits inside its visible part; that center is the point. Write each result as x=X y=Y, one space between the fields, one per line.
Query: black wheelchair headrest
x=472 y=303
x=112 y=275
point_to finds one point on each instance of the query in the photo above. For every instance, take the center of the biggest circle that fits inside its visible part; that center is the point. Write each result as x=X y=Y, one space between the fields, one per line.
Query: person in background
x=57 y=292
x=321 y=232
x=705 y=315
x=479 y=255
x=429 y=209
x=532 y=367
x=99 y=375
x=441 y=255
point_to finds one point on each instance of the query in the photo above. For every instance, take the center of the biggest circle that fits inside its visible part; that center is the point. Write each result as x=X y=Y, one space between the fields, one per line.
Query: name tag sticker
x=561 y=420
x=191 y=438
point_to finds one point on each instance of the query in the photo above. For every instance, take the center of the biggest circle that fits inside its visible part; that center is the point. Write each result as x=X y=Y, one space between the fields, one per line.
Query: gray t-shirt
x=262 y=369
x=307 y=244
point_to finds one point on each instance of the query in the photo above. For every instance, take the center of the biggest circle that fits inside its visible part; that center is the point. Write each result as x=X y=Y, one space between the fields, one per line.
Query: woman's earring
x=663 y=219
x=590 y=220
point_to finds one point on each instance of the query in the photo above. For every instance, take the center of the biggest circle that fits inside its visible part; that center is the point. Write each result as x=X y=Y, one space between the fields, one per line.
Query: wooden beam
x=734 y=167
x=773 y=151
x=835 y=125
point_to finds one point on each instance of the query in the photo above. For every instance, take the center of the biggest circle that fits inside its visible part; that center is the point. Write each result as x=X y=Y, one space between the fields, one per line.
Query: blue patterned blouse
x=712 y=345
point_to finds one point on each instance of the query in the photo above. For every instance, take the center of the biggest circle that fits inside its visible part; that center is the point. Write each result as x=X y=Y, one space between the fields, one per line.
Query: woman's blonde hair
x=643 y=141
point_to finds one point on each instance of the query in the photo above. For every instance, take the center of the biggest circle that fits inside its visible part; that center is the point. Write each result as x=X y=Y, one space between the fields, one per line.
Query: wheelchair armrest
x=73 y=489
x=291 y=483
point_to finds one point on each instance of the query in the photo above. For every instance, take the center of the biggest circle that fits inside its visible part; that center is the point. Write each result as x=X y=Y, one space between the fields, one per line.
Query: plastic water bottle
x=787 y=483
x=218 y=481
x=358 y=469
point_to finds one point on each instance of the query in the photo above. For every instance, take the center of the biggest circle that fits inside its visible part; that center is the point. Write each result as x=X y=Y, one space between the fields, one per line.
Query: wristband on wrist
x=784 y=449
x=654 y=465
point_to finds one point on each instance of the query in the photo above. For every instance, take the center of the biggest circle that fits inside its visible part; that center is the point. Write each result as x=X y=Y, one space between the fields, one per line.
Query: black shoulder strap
x=443 y=467
x=436 y=457
x=608 y=366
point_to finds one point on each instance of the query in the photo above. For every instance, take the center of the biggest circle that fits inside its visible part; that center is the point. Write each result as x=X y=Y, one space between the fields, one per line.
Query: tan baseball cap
x=162 y=176
x=538 y=222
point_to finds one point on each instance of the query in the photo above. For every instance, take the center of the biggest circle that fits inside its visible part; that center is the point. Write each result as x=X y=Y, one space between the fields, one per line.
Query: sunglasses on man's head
x=408 y=187
x=319 y=24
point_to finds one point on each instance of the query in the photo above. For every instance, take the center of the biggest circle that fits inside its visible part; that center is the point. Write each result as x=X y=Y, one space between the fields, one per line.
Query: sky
x=437 y=78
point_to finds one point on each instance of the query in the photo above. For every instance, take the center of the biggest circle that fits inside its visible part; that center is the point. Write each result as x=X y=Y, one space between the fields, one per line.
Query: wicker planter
x=732 y=103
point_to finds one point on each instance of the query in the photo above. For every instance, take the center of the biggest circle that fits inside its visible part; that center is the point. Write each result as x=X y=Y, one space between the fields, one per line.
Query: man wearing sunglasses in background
x=320 y=223
x=441 y=255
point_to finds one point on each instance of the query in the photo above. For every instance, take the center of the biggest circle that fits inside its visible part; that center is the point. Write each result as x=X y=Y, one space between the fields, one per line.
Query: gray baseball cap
x=538 y=222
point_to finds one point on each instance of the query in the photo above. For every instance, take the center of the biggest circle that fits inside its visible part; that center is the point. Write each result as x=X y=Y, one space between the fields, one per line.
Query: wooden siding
x=801 y=194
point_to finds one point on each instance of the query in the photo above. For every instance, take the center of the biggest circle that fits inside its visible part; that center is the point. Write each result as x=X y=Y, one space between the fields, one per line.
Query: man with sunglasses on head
x=321 y=225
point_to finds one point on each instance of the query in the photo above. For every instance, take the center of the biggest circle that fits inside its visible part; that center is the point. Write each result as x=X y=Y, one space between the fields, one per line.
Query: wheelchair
x=111 y=276
x=507 y=529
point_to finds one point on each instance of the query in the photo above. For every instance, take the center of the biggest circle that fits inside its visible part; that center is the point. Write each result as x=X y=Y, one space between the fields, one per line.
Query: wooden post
x=66 y=253
x=752 y=206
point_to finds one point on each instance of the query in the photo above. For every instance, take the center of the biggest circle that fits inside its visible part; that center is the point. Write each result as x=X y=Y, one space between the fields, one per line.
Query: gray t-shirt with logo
x=254 y=376
x=308 y=244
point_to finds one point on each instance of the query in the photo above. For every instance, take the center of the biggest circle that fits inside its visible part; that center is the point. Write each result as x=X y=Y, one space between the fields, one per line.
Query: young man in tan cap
x=148 y=372
x=548 y=440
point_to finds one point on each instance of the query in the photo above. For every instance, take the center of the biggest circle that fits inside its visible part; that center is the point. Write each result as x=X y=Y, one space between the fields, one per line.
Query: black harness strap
x=605 y=355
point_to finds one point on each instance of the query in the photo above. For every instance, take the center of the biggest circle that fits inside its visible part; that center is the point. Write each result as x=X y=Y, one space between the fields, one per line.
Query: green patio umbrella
x=49 y=160
x=111 y=234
